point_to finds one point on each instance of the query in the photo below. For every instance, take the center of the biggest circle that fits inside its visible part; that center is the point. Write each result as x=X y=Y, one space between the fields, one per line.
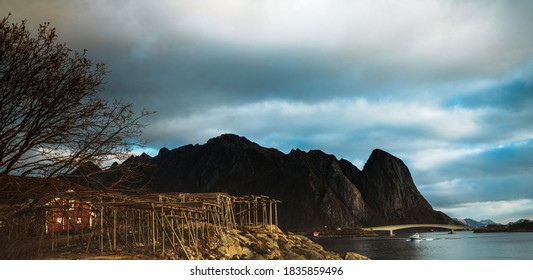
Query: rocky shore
x=263 y=243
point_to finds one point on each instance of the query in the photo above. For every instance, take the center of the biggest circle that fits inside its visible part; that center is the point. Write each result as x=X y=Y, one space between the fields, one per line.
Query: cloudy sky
x=447 y=86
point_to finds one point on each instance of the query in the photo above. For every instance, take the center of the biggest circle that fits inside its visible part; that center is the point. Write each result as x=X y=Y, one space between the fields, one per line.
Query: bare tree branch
x=51 y=118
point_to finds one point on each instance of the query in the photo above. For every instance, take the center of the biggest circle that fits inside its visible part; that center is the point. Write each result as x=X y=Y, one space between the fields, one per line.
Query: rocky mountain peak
x=231 y=141
x=387 y=185
x=137 y=160
x=86 y=168
x=380 y=159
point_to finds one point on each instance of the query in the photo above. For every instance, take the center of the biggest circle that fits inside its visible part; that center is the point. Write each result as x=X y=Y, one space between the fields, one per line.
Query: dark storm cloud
x=196 y=50
x=177 y=84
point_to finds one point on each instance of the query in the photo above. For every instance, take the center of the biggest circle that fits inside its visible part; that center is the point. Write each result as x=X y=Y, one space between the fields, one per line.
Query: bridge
x=392 y=228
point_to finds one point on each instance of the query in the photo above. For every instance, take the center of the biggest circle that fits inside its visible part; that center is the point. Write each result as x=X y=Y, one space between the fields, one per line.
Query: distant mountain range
x=474 y=223
x=488 y=222
x=519 y=221
x=316 y=188
x=521 y=225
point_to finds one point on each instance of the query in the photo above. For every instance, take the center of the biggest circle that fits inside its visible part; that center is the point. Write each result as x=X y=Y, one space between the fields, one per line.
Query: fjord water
x=464 y=245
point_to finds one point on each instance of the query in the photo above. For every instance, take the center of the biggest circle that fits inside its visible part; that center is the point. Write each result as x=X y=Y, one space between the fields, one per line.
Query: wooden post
x=182 y=228
x=93 y=230
x=189 y=234
x=126 y=226
x=202 y=222
x=133 y=226
x=53 y=232
x=239 y=212
x=114 y=228
x=141 y=235
x=109 y=241
x=196 y=226
x=68 y=230
x=172 y=226
x=162 y=233
x=233 y=218
x=101 y=240
x=156 y=236
x=148 y=230
x=153 y=231
x=255 y=213
x=264 y=212
x=276 y=213
x=270 y=216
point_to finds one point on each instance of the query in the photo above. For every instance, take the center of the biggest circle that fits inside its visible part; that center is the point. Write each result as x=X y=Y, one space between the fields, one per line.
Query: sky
x=447 y=86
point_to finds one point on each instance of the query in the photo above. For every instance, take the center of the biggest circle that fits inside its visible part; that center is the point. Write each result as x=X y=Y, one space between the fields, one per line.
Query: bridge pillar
x=391 y=233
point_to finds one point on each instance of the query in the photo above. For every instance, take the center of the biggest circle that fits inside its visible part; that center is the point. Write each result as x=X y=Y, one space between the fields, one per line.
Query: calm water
x=437 y=246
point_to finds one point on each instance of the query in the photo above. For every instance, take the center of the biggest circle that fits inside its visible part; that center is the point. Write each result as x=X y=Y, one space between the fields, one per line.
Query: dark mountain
x=489 y=222
x=474 y=223
x=131 y=175
x=522 y=225
x=470 y=223
x=316 y=188
x=391 y=195
x=519 y=221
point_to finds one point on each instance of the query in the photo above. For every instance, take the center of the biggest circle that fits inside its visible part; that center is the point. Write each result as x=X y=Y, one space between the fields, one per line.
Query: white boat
x=415 y=237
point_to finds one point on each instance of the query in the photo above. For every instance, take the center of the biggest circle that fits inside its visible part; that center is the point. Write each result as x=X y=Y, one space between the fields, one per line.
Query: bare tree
x=51 y=118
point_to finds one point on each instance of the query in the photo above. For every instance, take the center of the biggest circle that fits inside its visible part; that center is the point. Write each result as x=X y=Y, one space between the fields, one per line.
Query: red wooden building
x=68 y=214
